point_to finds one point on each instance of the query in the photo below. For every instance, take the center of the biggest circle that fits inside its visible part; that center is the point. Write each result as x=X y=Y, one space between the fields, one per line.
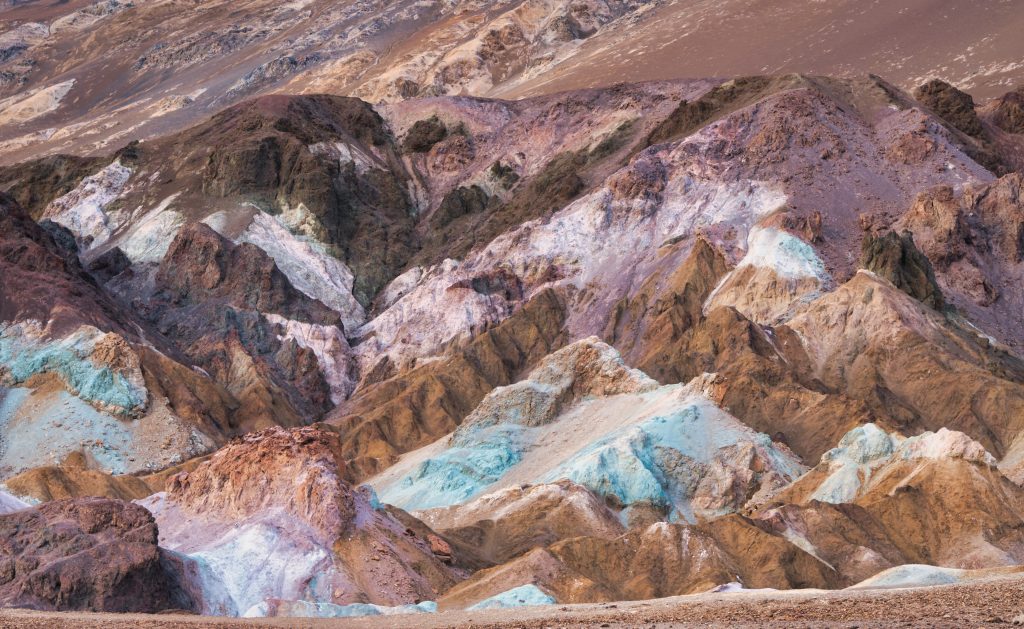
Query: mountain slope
x=636 y=341
x=89 y=76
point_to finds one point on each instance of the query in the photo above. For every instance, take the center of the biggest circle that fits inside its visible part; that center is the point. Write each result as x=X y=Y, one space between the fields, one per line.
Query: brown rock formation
x=260 y=469
x=505 y=524
x=895 y=258
x=423 y=135
x=954 y=106
x=45 y=281
x=934 y=499
x=86 y=554
x=665 y=306
x=759 y=383
x=718 y=102
x=264 y=151
x=73 y=479
x=36 y=183
x=660 y=560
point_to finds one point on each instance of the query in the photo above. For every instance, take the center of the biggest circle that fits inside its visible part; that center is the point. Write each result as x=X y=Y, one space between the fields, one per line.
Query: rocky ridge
x=748 y=328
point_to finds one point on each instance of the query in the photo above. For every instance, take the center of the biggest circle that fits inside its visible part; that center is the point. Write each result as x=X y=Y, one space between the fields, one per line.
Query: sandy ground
x=994 y=602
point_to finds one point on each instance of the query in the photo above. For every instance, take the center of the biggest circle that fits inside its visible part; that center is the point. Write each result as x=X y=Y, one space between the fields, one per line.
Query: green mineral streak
x=22 y=356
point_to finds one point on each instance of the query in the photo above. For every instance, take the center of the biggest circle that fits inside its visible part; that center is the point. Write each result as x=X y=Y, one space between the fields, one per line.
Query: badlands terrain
x=408 y=313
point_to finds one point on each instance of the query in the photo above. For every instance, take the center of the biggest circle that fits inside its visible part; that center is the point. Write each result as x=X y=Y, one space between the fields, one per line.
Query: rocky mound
x=879 y=500
x=876 y=501
x=74 y=480
x=973 y=240
x=953 y=105
x=86 y=554
x=504 y=524
x=582 y=415
x=663 y=308
x=277 y=498
x=758 y=380
x=1007 y=111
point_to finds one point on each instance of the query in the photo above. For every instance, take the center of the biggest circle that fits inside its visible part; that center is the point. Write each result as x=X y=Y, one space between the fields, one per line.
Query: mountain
x=86 y=76
x=335 y=309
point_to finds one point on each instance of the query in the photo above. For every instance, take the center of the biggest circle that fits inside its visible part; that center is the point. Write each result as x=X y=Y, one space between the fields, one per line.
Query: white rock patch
x=783 y=253
x=10 y=504
x=37 y=103
x=151 y=237
x=331 y=350
x=83 y=209
x=307 y=265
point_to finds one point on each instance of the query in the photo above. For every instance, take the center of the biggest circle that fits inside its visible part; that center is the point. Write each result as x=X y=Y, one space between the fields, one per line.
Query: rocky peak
x=1007 y=111
x=897 y=259
x=586 y=368
x=297 y=472
x=201 y=265
x=954 y=106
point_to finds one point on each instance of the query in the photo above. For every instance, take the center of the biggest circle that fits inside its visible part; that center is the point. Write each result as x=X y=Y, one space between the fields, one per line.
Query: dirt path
x=991 y=603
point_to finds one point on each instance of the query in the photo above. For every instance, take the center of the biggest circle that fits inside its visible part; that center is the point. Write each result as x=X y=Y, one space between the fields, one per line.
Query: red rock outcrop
x=202 y=266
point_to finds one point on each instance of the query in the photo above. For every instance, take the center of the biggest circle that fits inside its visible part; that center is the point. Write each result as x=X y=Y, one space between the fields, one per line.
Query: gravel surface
x=990 y=603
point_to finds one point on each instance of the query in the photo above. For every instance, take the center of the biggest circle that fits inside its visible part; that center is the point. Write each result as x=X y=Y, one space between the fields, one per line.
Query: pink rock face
x=86 y=554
